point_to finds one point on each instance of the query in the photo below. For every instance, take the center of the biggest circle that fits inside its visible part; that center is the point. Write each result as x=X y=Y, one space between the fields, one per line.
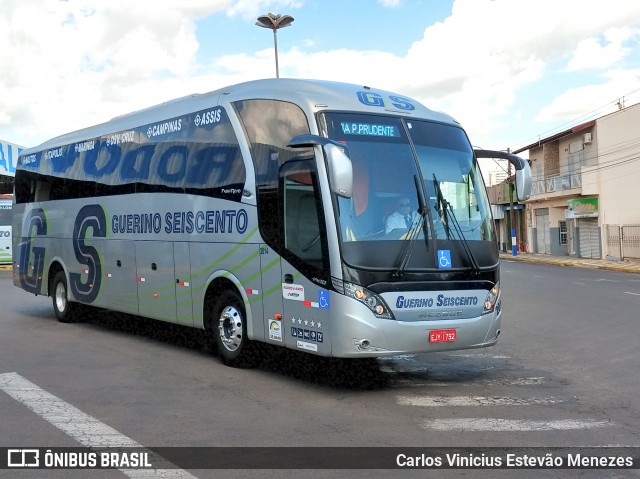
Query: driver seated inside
x=403 y=217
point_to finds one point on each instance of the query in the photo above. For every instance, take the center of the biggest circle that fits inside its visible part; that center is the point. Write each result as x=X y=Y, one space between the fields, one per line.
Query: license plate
x=442 y=336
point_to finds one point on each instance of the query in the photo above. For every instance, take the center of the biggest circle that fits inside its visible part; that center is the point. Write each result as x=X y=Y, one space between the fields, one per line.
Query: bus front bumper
x=359 y=334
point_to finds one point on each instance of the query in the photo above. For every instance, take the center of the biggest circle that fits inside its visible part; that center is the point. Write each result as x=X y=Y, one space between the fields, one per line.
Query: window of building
x=563 y=232
x=576 y=146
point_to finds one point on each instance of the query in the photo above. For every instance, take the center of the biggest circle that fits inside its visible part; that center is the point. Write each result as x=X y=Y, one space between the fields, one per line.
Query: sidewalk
x=626 y=265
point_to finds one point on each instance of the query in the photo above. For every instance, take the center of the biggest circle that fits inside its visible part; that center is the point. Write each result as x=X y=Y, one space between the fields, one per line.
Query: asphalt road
x=563 y=374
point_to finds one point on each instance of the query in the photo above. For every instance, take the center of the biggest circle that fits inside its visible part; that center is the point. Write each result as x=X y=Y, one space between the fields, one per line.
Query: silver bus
x=269 y=212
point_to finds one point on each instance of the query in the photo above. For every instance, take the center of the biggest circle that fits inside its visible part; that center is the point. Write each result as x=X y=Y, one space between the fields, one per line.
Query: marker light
x=370 y=299
x=492 y=298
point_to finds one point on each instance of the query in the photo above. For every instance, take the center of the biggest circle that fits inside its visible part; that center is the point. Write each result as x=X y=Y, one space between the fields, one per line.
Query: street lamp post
x=274 y=22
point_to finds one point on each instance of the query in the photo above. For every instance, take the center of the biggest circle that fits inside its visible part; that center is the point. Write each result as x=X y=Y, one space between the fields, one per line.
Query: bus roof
x=312 y=95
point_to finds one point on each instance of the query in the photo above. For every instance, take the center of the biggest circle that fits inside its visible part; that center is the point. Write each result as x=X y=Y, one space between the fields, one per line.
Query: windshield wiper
x=448 y=214
x=413 y=232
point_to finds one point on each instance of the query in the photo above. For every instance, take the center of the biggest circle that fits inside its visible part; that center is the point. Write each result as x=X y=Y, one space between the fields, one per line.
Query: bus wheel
x=230 y=331
x=64 y=309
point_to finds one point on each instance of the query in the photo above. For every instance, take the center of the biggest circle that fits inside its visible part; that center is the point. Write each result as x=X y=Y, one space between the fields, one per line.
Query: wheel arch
x=54 y=268
x=225 y=281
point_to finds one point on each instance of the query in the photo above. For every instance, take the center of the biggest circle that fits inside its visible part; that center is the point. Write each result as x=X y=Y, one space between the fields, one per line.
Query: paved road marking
x=531 y=381
x=496 y=424
x=82 y=427
x=467 y=401
x=405 y=357
x=480 y=355
x=629 y=292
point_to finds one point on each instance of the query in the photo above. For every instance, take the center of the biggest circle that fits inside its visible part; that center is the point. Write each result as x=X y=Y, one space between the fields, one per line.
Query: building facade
x=585 y=188
x=507 y=211
x=8 y=160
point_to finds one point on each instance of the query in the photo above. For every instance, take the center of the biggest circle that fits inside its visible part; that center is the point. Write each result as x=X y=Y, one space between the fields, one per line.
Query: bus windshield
x=394 y=161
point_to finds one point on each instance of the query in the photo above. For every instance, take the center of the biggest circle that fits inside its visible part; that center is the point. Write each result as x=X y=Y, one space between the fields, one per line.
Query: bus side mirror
x=340 y=170
x=339 y=165
x=523 y=170
x=523 y=182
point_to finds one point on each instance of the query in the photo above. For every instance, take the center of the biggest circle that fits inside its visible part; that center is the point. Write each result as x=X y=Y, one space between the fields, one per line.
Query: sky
x=510 y=71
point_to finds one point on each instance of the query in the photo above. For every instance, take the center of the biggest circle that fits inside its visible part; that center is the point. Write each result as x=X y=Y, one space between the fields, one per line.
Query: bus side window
x=25 y=186
x=301 y=209
x=43 y=190
x=289 y=207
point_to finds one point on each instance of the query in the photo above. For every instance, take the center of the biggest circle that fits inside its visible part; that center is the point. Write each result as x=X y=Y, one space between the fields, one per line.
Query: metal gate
x=614 y=246
x=631 y=241
x=589 y=240
x=543 y=243
x=623 y=241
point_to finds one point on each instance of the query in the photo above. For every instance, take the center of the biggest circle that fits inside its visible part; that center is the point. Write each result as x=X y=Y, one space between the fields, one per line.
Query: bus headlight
x=492 y=298
x=370 y=299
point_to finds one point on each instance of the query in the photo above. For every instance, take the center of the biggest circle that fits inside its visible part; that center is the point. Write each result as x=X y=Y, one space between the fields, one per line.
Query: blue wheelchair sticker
x=444 y=258
x=323 y=299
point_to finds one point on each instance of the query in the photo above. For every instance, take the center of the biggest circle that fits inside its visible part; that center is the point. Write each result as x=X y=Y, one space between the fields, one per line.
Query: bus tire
x=65 y=310
x=229 y=328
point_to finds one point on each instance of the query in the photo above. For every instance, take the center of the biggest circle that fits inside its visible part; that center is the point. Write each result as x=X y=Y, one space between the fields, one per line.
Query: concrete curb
x=577 y=263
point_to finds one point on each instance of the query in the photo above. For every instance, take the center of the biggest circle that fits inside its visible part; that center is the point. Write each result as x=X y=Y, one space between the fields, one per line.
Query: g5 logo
x=370 y=98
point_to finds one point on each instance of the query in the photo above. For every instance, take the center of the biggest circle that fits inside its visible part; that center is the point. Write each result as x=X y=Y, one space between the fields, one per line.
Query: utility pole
x=514 y=237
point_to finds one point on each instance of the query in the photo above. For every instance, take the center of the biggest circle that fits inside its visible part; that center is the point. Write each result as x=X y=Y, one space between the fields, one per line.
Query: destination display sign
x=369 y=129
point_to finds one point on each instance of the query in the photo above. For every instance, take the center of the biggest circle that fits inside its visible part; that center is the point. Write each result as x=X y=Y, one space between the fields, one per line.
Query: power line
x=618 y=150
x=581 y=119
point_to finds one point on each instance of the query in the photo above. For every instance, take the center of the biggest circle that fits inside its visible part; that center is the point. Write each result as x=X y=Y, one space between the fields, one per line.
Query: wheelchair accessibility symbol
x=323 y=299
x=444 y=258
